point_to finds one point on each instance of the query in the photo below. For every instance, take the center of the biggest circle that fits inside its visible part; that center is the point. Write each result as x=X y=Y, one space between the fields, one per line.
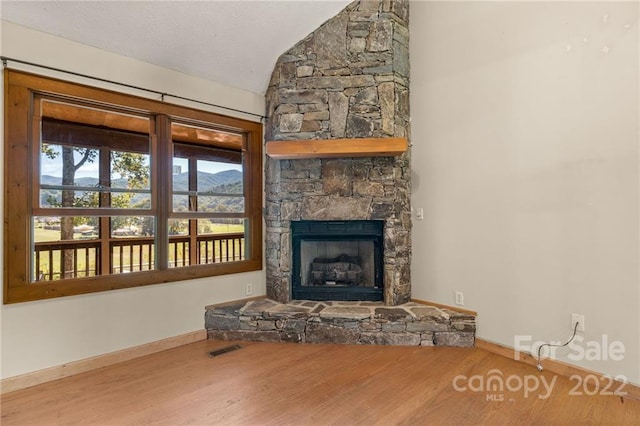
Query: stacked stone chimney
x=348 y=79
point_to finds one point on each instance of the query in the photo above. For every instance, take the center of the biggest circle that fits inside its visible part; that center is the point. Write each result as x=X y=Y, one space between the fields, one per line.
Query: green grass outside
x=42 y=235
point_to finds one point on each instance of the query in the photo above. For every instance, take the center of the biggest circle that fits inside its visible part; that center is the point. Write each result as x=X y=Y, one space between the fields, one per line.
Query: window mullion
x=105 y=201
x=162 y=169
x=193 y=206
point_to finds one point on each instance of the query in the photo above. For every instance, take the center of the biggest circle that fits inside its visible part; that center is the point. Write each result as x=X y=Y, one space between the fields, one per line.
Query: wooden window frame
x=20 y=121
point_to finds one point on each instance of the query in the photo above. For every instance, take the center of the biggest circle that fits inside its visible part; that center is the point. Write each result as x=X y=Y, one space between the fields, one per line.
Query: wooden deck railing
x=49 y=260
x=131 y=254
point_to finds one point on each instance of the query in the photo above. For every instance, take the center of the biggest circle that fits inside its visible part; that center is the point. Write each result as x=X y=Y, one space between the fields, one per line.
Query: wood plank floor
x=298 y=384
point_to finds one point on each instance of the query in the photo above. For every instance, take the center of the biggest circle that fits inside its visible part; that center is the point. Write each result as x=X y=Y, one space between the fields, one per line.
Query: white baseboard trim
x=34 y=378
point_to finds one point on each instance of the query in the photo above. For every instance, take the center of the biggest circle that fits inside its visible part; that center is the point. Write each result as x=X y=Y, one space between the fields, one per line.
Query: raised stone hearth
x=409 y=324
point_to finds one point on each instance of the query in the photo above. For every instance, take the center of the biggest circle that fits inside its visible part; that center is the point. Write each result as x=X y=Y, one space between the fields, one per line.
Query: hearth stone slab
x=287 y=311
x=392 y=314
x=355 y=312
x=257 y=307
x=426 y=312
x=372 y=323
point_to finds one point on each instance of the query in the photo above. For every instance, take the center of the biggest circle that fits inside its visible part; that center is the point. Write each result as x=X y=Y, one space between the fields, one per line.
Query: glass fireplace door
x=337 y=260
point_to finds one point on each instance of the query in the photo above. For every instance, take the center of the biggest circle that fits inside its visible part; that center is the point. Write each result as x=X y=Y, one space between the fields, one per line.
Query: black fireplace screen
x=337 y=260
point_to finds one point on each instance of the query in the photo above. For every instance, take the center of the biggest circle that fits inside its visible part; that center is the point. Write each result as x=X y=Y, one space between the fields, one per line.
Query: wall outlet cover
x=577 y=318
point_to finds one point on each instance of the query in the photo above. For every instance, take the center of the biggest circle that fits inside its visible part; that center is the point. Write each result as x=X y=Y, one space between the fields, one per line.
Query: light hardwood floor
x=298 y=384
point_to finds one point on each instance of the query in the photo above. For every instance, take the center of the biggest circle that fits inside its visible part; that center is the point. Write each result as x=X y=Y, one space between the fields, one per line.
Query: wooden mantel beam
x=334 y=148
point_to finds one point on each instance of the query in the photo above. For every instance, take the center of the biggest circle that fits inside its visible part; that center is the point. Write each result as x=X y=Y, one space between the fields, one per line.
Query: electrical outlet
x=249 y=289
x=459 y=298
x=420 y=213
x=577 y=318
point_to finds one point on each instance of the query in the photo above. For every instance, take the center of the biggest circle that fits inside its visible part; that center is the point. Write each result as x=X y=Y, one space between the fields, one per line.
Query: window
x=120 y=191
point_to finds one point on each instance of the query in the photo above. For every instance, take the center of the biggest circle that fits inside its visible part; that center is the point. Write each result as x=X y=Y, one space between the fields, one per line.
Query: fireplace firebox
x=337 y=260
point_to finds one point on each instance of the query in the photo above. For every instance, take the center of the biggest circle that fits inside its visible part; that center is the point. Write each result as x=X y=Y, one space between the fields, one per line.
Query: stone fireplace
x=348 y=79
x=328 y=219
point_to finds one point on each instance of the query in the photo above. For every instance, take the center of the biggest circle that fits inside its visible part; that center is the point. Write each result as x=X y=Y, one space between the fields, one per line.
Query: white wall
x=525 y=133
x=37 y=335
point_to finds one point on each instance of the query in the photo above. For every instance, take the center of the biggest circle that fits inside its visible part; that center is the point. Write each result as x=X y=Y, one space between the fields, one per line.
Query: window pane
x=130 y=177
x=180 y=184
x=220 y=204
x=132 y=247
x=130 y=169
x=132 y=226
x=221 y=240
x=179 y=243
x=180 y=174
x=59 y=176
x=178 y=227
x=180 y=203
x=73 y=169
x=208 y=173
x=130 y=200
x=223 y=182
x=217 y=177
x=220 y=226
x=50 y=197
x=56 y=228
x=53 y=156
x=65 y=247
x=218 y=241
x=179 y=251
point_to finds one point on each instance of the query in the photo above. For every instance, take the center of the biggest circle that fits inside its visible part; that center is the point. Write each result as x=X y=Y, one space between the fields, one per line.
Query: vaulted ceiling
x=234 y=42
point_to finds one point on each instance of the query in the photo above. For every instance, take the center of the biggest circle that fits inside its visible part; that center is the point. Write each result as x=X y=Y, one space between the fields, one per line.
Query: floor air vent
x=225 y=350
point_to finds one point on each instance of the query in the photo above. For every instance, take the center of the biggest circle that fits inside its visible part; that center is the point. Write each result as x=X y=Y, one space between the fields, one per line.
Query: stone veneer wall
x=348 y=79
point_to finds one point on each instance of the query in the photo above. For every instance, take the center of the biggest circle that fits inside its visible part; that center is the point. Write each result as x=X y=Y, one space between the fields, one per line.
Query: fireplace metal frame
x=337 y=230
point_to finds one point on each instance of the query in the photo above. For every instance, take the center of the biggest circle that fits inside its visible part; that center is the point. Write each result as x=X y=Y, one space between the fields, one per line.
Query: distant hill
x=226 y=182
x=208 y=181
x=82 y=181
